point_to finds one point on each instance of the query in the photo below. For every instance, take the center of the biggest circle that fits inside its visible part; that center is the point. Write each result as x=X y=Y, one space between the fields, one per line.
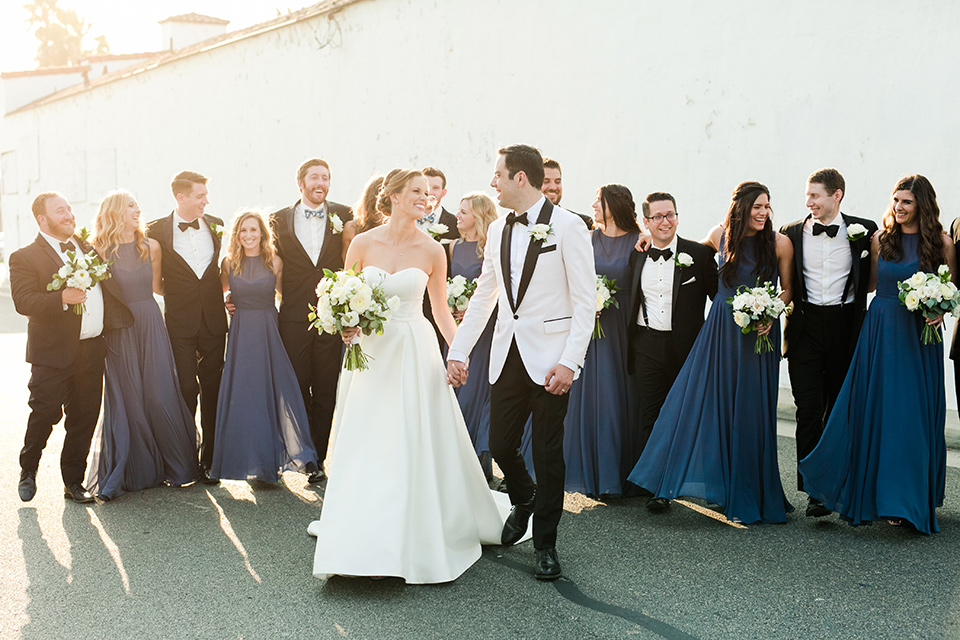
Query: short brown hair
x=312 y=162
x=656 y=196
x=523 y=157
x=433 y=172
x=184 y=181
x=550 y=163
x=39 y=205
x=830 y=179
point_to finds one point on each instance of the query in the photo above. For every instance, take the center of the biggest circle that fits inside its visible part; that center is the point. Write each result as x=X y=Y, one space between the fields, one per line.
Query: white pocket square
x=689 y=281
x=864 y=254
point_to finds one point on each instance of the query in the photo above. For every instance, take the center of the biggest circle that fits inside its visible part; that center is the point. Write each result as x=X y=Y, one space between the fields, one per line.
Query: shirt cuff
x=456 y=356
x=569 y=365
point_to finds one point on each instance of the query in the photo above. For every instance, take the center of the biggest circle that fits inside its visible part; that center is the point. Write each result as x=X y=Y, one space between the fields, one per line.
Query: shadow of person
x=46 y=577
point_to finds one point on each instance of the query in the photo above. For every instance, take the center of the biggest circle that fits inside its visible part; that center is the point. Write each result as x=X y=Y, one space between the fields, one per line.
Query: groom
x=538 y=271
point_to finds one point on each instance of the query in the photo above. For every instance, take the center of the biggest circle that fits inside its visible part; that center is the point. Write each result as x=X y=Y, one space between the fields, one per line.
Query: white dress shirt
x=91 y=322
x=195 y=246
x=656 y=282
x=311 y=231
x=519 y=242
x=826 y=264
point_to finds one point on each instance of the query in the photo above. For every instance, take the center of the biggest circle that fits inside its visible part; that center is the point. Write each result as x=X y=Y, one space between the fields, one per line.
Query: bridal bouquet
x=931 y=295
x=344 y=300
x=754 y=307
x=81 y=271
x=606 y=290
x=459 y=292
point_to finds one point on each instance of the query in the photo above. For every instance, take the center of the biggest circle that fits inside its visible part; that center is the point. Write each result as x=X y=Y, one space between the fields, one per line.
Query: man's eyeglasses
x=657 y=219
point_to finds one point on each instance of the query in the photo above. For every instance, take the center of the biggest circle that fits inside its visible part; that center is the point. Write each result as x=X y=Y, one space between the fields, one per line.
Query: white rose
x=393 y=303
x=462 y=304
x=540 y=231
x=437 y=229
x=328 y=324
x=946 y=292
x=361 y=301
x=684 y=259
x=912 y=300
x=917 y=280
x=352 y=284
x=350 y=319
x=335 y=223
x=64 y=272
x=944 y=270
x=741 y=318
x=856 y=231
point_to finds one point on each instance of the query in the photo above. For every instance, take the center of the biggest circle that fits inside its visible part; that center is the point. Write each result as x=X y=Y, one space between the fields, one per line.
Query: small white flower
x=944 y=270
x=350 y=319
x=336 y=224
x=437 y=229
x=684 y=260
x=65 y=271
x=864 y=254
x=540 y=231
x=856 y=231
x=393 y=303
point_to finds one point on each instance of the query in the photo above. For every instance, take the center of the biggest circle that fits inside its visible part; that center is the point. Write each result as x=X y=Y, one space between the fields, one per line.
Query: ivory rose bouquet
x=459 y=292
x=606 y=292
x=930 y=295
x=81 y=271
x=754 y=307
x=345 y=300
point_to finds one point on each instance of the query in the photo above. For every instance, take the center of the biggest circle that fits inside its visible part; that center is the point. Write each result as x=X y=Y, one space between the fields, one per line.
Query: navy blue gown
x=262 y=426
x=882 y=454
x=146 y=436
x=716 y=436
x=599 y=414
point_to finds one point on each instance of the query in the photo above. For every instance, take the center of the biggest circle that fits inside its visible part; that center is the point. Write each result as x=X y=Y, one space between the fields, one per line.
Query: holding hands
x=456 y=373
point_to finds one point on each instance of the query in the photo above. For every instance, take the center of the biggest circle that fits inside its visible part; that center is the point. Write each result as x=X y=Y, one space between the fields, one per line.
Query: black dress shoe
x=816 y=509
x=316 y=477
x=657 y=505
x=516 y=523
x=28 y=485
x=205 y=477
x=548 y=566
x=77 y=493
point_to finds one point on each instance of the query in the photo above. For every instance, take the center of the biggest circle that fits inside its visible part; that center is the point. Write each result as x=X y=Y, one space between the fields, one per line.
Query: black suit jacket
x=691 y=287
x=189 y=302
x=587 y=220
x=300 y=273
x=53 y=335
x=859 y=274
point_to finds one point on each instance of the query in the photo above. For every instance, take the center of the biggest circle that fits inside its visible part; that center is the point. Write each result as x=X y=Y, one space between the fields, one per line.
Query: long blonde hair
x=109 y=223
x=484 y=212
x=235 y=253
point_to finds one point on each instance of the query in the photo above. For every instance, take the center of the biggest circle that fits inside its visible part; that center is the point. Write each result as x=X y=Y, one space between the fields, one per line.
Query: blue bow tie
x=309 y=213
x=429 y=219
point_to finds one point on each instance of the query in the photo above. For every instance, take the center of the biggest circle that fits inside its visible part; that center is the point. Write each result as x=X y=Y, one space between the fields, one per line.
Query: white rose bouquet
x=345 y=300
x=81 y=271
x=930 y=295
x=606 y=290
x=459 y=292
x=755 y=307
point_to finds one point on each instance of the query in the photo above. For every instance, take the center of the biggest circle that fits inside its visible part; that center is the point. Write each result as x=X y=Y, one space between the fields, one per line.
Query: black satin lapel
x=505 y=264
x=51 y=253
x=533 y=252
x=677 y=277
x=798 y=259
x=636 y=288
x=854 y=260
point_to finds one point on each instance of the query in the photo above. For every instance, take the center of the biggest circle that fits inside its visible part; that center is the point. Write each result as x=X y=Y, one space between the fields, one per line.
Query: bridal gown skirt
x=406 y=495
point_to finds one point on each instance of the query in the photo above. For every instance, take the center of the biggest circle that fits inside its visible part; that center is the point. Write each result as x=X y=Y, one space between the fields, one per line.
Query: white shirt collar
x=56 y=243
x=672 y=246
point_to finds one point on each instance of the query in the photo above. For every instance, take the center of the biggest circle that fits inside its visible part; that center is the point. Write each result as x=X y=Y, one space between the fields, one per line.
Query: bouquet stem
x=355 y=359
x=79 y=309
x=763 y=344
x=930 y=335
x=597 y=330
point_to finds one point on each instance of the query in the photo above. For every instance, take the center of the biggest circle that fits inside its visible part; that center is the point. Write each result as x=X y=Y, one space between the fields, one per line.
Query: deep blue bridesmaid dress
x=599 y=416
x=882 y=454
x=716 y=436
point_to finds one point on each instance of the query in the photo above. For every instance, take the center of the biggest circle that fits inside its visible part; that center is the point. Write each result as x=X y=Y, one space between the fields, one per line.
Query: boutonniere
x=336 y=224
x=855 y=232
x=540 y=231
x=437 y=229
x=217 y=229
x=864 y=254
x=683 y=260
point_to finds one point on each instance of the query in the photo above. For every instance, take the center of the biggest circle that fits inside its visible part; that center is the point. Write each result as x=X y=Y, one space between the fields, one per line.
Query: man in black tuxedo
x=65 y=350
x=437 y=183
x=552 y=187
x=832 y=271
x=669 y=286
x=193 y=301
x=308 y=240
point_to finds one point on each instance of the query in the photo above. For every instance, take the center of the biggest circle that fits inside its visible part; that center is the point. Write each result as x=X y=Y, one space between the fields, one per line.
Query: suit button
x=516 y=317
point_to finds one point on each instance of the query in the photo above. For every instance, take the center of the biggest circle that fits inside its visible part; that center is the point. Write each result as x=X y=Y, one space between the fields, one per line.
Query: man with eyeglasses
x=669 y=287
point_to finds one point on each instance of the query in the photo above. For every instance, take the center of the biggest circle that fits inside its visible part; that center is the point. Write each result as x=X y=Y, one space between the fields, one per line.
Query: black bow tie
x=656 y=254
x=830 y=230
x=186 y=225
x=514 y=218
x=67 y=246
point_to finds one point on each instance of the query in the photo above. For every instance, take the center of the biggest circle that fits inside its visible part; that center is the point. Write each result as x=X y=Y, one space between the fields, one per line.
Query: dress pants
x=656 y=366
x=199 y=361
x=513 y=397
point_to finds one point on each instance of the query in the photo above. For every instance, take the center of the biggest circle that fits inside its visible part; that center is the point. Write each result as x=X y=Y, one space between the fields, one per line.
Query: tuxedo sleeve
x=482 y=303
x=578 y=265
x=711 y=280
x=30 y=295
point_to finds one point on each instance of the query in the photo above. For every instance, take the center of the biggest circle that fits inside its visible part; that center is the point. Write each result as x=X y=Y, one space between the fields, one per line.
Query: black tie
x=186 y=225
x=656 y=254
x=514 y=218
x=830 y=230
x=67 y=246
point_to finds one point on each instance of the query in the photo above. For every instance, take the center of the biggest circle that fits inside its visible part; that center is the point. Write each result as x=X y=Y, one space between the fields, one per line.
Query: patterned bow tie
x=67 y=246
x=310 y=213
x=186 y=225
x=656 y=254
x=830 y=230
x=428 y=219
x=513 y=218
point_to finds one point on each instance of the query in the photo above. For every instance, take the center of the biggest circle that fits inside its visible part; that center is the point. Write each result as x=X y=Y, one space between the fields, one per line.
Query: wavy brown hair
x=366 y=216
x=735 y=227
x=235 y=249
x=618 y=201
x=484 y=212
x=109 y=223
x=928 y=215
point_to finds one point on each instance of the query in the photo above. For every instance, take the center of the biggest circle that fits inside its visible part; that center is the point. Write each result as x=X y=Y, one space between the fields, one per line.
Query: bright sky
x=130 y=26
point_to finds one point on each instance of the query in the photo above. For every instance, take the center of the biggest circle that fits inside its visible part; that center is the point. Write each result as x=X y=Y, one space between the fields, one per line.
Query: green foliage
x=61 y=33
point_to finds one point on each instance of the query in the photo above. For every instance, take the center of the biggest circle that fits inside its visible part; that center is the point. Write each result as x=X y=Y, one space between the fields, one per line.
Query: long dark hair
x=931 y=231
x=735 y=230
x=618 y=200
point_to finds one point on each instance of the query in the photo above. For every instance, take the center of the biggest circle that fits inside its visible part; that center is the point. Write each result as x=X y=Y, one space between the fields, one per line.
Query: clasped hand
x=457 y=373
x=71 y=295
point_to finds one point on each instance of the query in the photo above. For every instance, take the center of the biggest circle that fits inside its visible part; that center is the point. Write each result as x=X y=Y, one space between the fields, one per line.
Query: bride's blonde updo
x=393 y=183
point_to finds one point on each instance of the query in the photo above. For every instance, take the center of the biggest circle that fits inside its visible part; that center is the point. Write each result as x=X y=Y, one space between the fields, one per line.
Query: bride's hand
x=349 y=334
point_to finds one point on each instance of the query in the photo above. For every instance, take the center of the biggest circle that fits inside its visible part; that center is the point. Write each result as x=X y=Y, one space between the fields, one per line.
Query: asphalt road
x=234 y=561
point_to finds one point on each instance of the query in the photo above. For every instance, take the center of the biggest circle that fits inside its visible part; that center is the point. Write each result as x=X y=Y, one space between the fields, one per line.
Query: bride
x=406 y=495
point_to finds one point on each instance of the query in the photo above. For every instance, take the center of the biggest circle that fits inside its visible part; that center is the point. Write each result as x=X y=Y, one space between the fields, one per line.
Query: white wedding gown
x=406 y=495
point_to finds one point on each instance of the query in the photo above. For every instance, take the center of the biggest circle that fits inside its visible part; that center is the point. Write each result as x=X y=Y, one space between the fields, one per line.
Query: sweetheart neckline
x=373 y=266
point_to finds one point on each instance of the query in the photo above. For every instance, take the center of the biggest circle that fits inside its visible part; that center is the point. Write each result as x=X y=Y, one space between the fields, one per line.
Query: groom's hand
x=559 y=379
x=456 y=373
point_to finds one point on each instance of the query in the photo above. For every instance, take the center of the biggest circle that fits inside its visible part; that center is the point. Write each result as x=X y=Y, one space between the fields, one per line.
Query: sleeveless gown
x=596 y=431
x=146 y=436
x=262 y=426
x=716 y=436
x=406 y=496
x=882 y=454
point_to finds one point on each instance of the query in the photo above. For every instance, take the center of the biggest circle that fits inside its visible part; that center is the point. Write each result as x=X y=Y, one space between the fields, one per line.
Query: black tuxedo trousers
x=657 y=363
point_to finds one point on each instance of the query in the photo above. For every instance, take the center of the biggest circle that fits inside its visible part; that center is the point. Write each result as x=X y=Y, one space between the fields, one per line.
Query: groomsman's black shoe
x=316 y=476
x=205 y=477
x=28 y=485
x=77 y=493
x=516 y=524
x=548 y=566
x=816 y=509
x=657 y=505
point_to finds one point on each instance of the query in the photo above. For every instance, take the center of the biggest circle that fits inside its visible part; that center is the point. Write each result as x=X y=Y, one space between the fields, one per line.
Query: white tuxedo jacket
x=553 y=316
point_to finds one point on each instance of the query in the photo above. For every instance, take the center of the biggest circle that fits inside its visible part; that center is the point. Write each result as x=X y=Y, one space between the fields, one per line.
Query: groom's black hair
x=523 y=157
